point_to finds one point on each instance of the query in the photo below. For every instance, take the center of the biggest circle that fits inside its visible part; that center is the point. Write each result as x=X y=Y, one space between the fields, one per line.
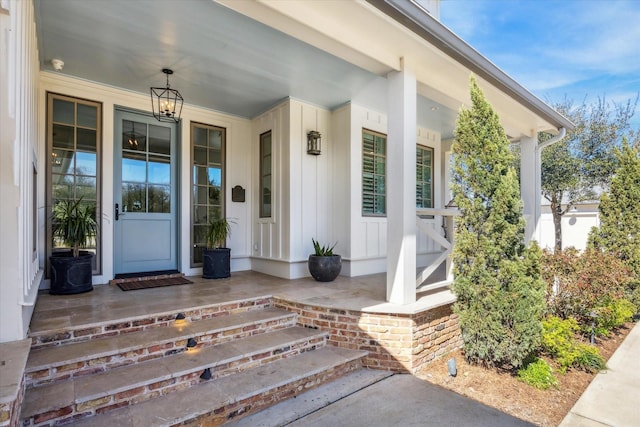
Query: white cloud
x=602 y=36
x=552 y=45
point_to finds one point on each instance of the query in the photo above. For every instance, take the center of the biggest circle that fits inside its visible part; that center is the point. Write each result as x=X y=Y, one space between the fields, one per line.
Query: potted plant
x=324 y=265
x=73 y=224
x=216 y=259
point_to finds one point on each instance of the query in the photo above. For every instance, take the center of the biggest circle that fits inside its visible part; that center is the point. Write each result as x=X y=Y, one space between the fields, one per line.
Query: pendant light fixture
x=166 y=103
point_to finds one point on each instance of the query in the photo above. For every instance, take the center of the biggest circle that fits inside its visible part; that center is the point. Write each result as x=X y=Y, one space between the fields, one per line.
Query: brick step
x=151 y=319
x=48 y=364
x=101 y=392
x=224 y=399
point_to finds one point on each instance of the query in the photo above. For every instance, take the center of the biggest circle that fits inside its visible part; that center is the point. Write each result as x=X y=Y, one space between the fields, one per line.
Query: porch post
x=530 y=186
x=401 y=188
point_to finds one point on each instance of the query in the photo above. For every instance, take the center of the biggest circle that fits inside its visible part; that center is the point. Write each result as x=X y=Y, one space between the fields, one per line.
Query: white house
x=381 y=81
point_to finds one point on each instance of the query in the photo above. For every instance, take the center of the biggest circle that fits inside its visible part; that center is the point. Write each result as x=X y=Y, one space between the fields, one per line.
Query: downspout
x=538 y=153
x=558 y=137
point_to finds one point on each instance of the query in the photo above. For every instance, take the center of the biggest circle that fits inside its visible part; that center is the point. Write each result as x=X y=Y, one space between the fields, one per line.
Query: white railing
x=443 y=238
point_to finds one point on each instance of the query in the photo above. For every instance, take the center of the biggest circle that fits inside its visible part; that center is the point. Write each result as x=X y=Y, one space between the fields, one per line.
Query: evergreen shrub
x=620 y=218
x=500 y=293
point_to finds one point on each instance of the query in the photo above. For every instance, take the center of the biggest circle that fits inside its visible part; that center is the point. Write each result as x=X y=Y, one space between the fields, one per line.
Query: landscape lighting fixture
x=180 y=316
x=191 y=343
x=206 y=374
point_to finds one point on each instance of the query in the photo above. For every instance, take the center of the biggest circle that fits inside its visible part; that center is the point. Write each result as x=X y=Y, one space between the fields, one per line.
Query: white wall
x=20 y=271
x=237 y=168
x=576 y=226
x=301 y=196
x=364 y=249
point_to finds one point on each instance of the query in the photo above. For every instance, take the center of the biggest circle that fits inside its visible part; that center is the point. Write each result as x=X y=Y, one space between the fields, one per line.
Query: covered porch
x=353 y=310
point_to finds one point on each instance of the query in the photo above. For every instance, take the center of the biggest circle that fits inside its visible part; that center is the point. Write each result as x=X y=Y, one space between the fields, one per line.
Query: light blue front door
x=145 y=202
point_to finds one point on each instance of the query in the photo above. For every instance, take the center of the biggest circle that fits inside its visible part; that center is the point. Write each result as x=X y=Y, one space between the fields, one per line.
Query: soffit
x=359 y=32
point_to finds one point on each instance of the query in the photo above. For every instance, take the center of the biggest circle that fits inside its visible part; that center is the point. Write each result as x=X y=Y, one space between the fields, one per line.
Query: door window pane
x=159 y=170
x=134 y=167
x=159 y=198
x=159 y=140
x=134 y=197
x=134 y=136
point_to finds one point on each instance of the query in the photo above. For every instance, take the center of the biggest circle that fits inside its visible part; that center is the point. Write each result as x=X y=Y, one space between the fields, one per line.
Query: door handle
x=118 y=214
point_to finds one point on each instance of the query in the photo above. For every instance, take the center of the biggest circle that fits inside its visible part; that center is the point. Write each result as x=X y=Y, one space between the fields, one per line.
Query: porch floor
x=108 y=303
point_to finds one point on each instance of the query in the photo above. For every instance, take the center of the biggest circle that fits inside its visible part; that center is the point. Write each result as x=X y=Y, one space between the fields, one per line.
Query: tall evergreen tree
x=497 y=279
x=619 y=231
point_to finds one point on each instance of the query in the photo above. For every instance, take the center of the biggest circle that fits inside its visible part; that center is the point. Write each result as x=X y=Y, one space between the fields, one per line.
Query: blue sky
x=578 y=48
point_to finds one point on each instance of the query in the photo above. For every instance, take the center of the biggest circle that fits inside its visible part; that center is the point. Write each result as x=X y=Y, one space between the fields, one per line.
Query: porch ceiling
x=222 y=59
x=242 y=57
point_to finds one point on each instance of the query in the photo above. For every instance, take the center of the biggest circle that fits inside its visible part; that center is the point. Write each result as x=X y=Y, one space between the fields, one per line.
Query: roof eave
x=418 y=20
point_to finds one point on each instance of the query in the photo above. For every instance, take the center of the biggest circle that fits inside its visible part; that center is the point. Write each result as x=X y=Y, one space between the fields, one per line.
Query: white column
x=401 y=188
x=530 y=185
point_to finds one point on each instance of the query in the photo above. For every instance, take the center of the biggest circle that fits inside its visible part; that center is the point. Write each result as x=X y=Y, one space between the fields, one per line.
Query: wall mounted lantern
x=166 y=103
x=314 y=142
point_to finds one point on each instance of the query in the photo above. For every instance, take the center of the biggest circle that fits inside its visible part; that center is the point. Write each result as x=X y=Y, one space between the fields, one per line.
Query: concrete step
x=48 y=364
x=101 y=392
x=153 y=318
x=219 y=401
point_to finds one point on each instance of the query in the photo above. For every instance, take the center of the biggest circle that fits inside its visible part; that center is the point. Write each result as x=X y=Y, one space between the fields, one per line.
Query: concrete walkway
x=374 y=399
x=398 y=400
x=613 y=397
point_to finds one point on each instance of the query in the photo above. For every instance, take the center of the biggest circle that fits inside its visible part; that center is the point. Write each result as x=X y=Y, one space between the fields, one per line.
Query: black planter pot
x=70 y=275
x=216 y=263
x=325 y=268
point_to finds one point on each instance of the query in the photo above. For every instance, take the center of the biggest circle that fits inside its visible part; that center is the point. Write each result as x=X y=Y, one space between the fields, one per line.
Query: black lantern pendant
x=166 y=102
x=314 y=141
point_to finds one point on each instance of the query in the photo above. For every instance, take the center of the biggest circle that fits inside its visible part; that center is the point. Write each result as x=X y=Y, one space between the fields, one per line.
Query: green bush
x=538 y=374
x=500 y=293
x=559 y=341
x=579 y=284
x=588 y=358
x=619 y=212
x=613 y=315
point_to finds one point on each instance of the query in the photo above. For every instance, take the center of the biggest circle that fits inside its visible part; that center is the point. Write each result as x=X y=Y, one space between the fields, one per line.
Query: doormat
x=153 y=283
